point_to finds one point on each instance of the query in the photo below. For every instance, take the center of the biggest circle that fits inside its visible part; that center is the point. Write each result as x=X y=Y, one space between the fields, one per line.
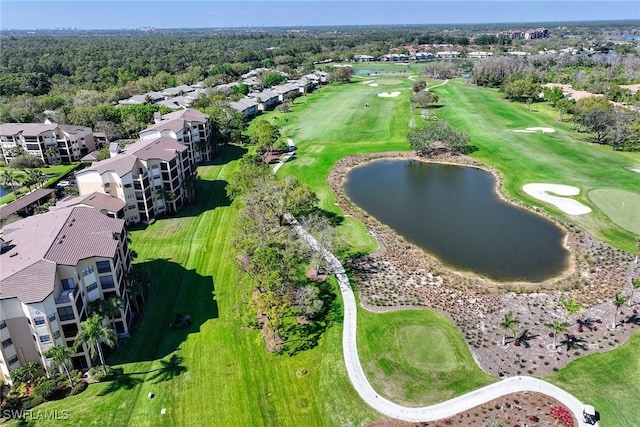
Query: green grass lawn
x=55 y=173
x=222 y=375
x=622 y=207
x=608 y=381
x=416 y=357
x=218 y=373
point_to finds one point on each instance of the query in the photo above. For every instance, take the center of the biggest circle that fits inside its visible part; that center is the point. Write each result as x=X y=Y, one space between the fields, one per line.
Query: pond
x=455 y=214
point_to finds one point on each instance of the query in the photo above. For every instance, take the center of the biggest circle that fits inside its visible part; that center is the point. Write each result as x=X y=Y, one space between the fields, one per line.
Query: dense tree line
x=288 y=307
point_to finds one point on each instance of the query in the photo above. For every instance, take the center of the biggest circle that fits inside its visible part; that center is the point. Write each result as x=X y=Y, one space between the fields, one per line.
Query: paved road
x=428 y=413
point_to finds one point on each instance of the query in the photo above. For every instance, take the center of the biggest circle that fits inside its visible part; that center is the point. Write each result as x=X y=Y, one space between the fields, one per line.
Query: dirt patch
x=401 y=275
x=517 y=409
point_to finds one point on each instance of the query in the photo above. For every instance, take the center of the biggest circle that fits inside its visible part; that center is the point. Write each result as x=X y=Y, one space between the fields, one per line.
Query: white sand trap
x=368 y=82
x=568 y=206
x=373 y=84
x=535 y=129
x=388 y=94
x=635 y=169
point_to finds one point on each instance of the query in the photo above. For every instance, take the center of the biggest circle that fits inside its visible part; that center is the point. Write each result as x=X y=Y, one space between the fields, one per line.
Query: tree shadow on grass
x=168 y=370
x=299 y=337
x=228 y=153
x=120 y=382
x=174 y=289
x=212 y=194
x=334 y=219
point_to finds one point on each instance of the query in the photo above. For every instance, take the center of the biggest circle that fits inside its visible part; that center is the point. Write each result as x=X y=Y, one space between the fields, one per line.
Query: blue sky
x=89 y=14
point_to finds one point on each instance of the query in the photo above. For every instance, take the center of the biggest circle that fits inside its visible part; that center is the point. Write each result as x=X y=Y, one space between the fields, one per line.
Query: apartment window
x=3 y=324
x=103 y=266
x=13 y=359
x=128 y=185
x=52 y=317
x=92 y=287
x=6 y=343
x=45 y=339
x=107 y=184
x=107 y=282
x=87 y=271
x=70 y=330
x=68 y=284
x=56 y=335
x=39 y=320
x=131 y=207
x=130 y=196
x=66 y=313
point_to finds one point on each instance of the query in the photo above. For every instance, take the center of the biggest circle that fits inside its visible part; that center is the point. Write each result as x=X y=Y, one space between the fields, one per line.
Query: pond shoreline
x=401 y=275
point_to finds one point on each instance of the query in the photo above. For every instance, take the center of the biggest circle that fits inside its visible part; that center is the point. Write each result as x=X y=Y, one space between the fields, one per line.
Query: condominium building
x=51 y=142
x=53 y=266
x=152 y=176
x=189 y=127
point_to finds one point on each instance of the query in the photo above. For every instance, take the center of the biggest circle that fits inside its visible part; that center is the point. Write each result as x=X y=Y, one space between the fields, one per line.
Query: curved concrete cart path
x=435 y=412
x=427 y=413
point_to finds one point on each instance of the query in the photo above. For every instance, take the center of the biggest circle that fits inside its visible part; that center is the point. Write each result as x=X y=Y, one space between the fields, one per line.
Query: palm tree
x=61 y=356
x=138 y=280
x=9 y=180
x=557 y=327
x=618 y=301
x=508 y=323
x=635 y=284
x=25 y=373
x=190 y=186
x=93 y=332
x=168 y=197
x=51 y=154
x=571 y=306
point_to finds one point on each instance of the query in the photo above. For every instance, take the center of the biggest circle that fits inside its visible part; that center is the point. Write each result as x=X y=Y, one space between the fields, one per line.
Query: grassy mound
x=622 y=207
x=416 y=357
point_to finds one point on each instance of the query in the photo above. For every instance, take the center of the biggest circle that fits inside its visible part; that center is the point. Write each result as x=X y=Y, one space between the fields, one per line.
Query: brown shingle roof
x=39 y=242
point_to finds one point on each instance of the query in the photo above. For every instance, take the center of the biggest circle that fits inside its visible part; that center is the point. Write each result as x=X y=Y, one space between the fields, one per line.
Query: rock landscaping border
x=401 y=275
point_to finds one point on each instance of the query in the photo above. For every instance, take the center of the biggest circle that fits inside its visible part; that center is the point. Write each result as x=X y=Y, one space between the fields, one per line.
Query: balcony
x=67 y=296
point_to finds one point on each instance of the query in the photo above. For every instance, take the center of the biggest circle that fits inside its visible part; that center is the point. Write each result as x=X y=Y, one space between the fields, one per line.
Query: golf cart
x=589 y=414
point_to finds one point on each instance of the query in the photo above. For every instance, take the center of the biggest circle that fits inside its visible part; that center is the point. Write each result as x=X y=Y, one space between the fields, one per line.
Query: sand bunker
x=368 y=82
x=569 y=206
x=535 y=129
x=388 y=94
x=635 y=169
x=373 y=84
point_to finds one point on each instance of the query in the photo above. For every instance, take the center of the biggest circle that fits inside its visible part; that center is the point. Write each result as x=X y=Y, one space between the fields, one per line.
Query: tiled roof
x=97 y=200
x=120 y=164
x=25 y=201
x=29 y=129
x=37 y=243
x=174 y=125
x=163 y=148
x=188 y=114
x=243 y=104
x=86 y=233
